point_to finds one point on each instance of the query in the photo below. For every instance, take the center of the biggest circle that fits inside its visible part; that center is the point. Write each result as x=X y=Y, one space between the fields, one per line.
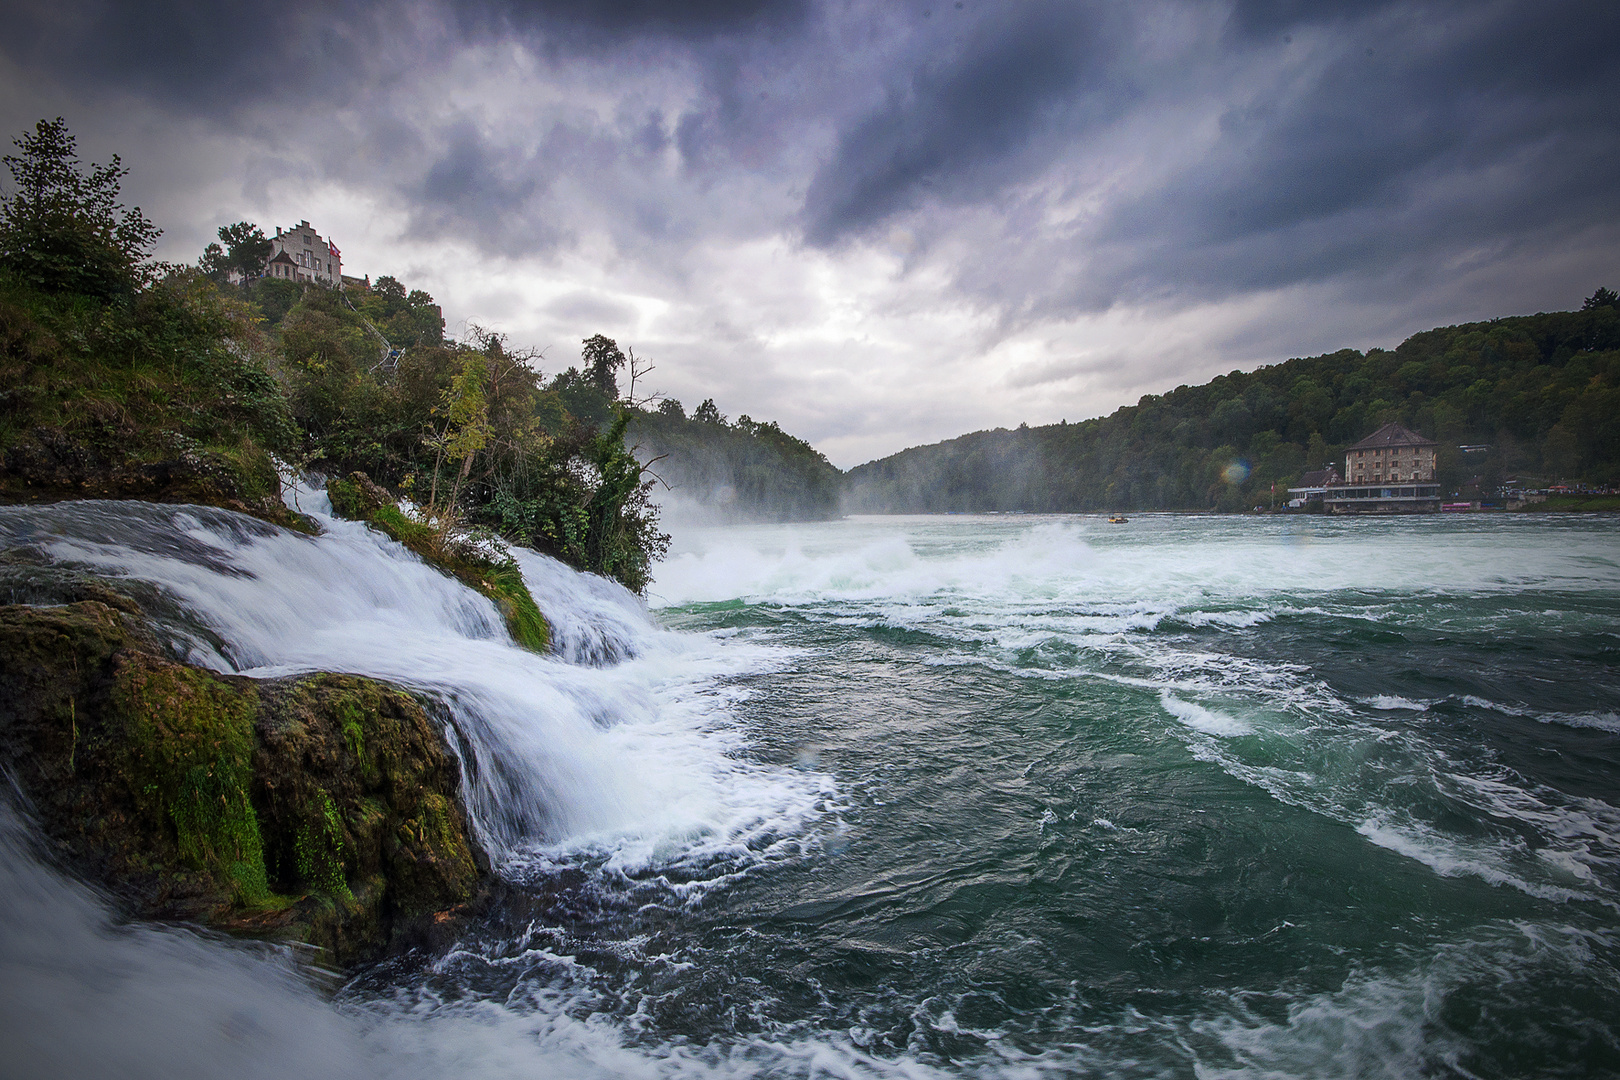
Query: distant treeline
x=746 y=471
x=1541 y=391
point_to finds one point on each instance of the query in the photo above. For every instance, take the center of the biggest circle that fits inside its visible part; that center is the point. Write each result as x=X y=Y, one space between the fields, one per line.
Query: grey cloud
x=203 y=58
x=958 y=126
x=1267 y=18
x=610 y=22
x=489 y=193
x=1413 y=151
x=475 y=181
x=589 y=308
x=1368 y=148
x=212 y=59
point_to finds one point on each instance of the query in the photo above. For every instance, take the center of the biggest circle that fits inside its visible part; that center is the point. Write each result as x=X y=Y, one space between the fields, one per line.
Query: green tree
x=247 y=249
x=1317 y=455
x=466 y=430
x=1604 y=297
x=602 y=361
x=389 y=289
x=1561 y=452
x=212 y=263
x=63 y=229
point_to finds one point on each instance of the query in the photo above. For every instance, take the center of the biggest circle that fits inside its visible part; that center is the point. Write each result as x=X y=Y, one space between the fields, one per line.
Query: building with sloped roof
x=1390 y=471
x=312 y=256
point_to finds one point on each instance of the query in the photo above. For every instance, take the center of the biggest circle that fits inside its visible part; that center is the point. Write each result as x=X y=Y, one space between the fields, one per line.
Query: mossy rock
x=46 y=465
x=358 y=498
x=321 y=808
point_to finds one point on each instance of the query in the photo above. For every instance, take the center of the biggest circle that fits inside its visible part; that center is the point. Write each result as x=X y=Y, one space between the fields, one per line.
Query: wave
x=1201 y=719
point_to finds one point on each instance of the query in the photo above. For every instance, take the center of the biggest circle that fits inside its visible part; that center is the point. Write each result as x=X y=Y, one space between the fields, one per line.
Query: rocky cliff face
x=321 y=808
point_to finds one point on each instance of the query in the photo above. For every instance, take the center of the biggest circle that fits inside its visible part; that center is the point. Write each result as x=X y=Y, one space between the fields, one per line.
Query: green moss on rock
x=321 y=808
x=358 y=498
x=188 y=757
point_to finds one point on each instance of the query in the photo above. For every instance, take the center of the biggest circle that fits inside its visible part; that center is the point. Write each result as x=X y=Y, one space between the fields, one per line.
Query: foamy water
x=929 y=797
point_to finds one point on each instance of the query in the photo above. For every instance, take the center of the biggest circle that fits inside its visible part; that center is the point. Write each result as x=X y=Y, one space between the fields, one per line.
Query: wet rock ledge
x=322 y=808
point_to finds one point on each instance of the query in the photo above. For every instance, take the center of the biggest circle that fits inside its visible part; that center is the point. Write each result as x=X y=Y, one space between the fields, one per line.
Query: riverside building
x=1391 y=471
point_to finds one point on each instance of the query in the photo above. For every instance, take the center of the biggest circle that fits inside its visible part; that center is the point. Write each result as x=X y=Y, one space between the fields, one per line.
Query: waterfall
x=618 y=747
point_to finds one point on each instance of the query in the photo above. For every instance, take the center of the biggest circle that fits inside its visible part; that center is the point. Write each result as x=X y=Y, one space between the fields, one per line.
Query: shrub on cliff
x=474 y=433
x=62 y=229
x=160 y=395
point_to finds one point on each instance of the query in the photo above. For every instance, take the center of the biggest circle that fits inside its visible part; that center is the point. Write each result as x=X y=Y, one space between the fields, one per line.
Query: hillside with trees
x=742 y=471
x=1542 y=392
x=126 y=378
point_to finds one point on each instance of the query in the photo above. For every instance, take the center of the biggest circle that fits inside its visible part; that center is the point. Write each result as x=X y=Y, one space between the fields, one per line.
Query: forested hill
x=1543 y=391
x=743 y=471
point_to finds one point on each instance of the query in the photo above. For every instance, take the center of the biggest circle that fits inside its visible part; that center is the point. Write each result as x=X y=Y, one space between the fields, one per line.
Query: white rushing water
x=619 y=744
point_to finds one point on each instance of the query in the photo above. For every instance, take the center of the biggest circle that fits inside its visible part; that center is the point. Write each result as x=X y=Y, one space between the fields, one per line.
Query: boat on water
x=1117 y=519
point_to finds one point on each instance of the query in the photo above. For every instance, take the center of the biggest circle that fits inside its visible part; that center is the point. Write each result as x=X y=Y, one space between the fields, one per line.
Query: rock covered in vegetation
x=149 y=398
x=45 y=465
x=359 y=498
x=321 y=808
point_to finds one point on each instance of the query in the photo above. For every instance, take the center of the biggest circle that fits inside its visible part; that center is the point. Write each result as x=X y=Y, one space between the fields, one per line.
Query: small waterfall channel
x=616 y=747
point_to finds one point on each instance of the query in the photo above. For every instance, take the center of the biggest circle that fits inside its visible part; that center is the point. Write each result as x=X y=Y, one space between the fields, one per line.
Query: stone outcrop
x=45 y=465
x=321 y=808
x=359 y=498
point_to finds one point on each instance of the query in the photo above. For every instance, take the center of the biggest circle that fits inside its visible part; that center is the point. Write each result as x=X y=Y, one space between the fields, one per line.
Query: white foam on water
x=1600 y=721
x=1395 y=703
x=1184 y=563
x=81 y=996
x=622 y=750
x=1199 y=718
x=1057 y=599
x=1447 y=858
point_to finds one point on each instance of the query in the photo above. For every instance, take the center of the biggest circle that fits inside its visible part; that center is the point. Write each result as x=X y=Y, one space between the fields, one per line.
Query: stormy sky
x=879 y=223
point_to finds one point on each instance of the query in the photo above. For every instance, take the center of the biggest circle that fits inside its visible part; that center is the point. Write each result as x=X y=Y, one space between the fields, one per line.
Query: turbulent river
x=987 y=796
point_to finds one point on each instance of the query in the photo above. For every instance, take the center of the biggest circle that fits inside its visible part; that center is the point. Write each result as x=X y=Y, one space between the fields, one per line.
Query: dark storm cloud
x=612 y=21
x=197 y=56
x=210 y=58
x=1215 y=149
x=1408 y=142
x=472 y=184
x=957 y=126
x=1261 y=18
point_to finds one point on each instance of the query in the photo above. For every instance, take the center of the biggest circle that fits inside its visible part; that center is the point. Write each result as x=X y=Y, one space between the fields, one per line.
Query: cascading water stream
x=612 y=745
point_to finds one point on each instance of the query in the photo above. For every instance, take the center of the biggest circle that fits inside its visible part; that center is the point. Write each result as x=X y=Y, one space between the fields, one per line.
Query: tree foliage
x=245 y=252
x=603 y=360
x=472 y=430
x=111 y=377
x=406 y=317
x=64 y=229
x=1603 y=297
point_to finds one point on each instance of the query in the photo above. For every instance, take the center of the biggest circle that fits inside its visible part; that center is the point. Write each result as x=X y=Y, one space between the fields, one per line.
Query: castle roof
x=1392 y=435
